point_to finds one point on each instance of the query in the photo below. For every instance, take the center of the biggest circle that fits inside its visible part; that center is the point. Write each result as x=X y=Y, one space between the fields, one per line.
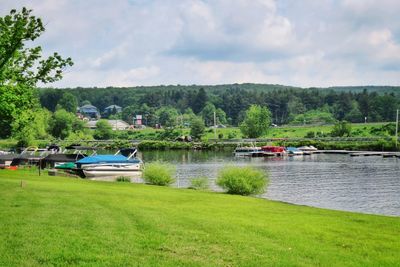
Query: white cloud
x=305 y=43
x=233 y=30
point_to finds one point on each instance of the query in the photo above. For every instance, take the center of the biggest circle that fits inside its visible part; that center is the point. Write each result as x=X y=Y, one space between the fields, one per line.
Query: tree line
x=287 y=104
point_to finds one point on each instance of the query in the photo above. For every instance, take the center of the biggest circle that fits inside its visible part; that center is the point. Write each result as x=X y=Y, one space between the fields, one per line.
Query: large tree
x=64 y=123
x=103 y=130
x=68 y=102
x=22 y=66
x=197 y=127
x=256 y=122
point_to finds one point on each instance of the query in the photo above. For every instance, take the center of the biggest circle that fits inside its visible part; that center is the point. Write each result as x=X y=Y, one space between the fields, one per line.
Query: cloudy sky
x=291 y=42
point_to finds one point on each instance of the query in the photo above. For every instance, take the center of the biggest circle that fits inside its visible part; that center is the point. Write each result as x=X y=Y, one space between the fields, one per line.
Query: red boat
x=278 y=150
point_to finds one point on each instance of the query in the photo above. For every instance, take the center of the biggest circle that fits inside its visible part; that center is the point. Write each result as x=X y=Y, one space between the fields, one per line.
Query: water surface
x=341 y=182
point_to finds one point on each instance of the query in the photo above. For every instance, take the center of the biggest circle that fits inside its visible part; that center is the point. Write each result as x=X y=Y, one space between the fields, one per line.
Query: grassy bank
x=66 y=221
x=357 y=130
x=152 y=139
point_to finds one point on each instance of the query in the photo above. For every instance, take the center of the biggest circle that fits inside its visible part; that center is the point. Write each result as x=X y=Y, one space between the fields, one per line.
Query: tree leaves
x=22 y=68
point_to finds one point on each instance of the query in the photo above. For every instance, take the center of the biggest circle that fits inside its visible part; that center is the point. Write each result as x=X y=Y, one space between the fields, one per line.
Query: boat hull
x=111 y=170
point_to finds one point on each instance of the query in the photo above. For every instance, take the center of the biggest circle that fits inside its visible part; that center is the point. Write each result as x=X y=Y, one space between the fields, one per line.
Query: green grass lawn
x=67 y=221
x=358 y=130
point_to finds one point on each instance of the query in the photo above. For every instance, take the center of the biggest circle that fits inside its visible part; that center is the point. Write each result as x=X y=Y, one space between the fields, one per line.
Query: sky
x=303 y=43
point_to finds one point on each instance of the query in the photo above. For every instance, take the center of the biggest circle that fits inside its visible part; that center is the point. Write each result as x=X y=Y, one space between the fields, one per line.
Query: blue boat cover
x=105 y=158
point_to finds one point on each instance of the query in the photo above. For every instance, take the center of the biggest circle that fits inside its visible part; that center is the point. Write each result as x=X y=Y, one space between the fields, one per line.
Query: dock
x=385 y=154
x=333 y=152
x=375 y=153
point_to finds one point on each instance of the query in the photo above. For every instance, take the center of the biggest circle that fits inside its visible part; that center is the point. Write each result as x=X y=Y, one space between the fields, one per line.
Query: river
x=340 y=182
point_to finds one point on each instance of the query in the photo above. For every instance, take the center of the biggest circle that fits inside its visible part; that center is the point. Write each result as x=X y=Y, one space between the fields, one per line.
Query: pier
x=384 y=154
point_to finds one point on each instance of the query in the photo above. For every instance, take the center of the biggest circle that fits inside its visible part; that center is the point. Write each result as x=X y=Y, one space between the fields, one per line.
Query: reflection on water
x=362 y=184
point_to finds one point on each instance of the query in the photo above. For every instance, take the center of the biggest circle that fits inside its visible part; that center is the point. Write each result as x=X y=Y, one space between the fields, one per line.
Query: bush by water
x=200 y=183
x=242 y=180
x=159 y=173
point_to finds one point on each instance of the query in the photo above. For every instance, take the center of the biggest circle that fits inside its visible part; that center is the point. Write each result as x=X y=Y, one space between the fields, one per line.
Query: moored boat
x=122 y=163
x=294 y=151
x=6 y=159
x=112 y=169
x=30 y=156
x=70 y=154
x=247 y=151
x=274 y=150
x=307 y=148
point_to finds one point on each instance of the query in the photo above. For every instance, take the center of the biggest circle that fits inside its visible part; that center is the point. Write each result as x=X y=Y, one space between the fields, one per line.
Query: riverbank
x=366 y=137
x=67 y=221
x=352 y=144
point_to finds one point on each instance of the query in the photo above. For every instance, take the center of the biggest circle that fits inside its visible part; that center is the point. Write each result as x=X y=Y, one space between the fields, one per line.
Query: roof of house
x=113 y=106
x=86 y=107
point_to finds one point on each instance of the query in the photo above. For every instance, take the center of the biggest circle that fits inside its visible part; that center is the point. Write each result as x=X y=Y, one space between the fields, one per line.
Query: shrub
x=242 y=181
x=231 y=135
x=341 y=128
x=103 y=130
x=197 y=127
x=159 y=173
x=163 y=145
x=310 y=134
x=123 y=179
x=200 y=183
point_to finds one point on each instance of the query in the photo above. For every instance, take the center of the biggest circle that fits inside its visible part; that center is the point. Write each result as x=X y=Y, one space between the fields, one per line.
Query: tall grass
x=242 y=180
x=123 y=179
x=199 y=183
x=159 y=173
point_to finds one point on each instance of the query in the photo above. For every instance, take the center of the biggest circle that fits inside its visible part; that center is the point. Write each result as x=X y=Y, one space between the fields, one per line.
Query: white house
x=117 y=125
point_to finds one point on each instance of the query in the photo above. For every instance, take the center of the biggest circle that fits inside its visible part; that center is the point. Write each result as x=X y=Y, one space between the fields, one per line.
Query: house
x=89 y=111
x=113 y=109
x=116 y=125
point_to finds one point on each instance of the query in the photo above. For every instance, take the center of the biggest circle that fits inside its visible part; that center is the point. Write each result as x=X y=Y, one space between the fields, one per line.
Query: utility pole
x=397 y=127
x=215 y=126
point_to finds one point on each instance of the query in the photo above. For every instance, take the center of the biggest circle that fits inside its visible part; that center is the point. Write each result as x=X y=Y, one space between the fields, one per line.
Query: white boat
x=293 y=151
x=308 y=148
x=246 y=151
x=122 y=163
x=112 y=169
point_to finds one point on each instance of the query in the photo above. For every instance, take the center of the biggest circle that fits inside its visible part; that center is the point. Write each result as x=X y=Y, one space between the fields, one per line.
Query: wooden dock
x=375 y=153
x=333 y=152
x=384 y=154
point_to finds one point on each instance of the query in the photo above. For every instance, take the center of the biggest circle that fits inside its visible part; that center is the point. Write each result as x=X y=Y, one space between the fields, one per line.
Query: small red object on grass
x=14 y=168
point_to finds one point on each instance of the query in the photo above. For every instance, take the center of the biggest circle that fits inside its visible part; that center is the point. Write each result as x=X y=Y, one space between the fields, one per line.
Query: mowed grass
x=358 y=130
x=67 y=221
x=285 y=131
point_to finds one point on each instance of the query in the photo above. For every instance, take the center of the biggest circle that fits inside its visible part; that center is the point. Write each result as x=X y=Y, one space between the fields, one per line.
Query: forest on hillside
x=287 y=104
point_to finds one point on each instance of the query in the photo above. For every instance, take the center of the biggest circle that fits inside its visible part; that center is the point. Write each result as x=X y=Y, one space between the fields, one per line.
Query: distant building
x=116 y=125
x=113 y=109
x=89 y=111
